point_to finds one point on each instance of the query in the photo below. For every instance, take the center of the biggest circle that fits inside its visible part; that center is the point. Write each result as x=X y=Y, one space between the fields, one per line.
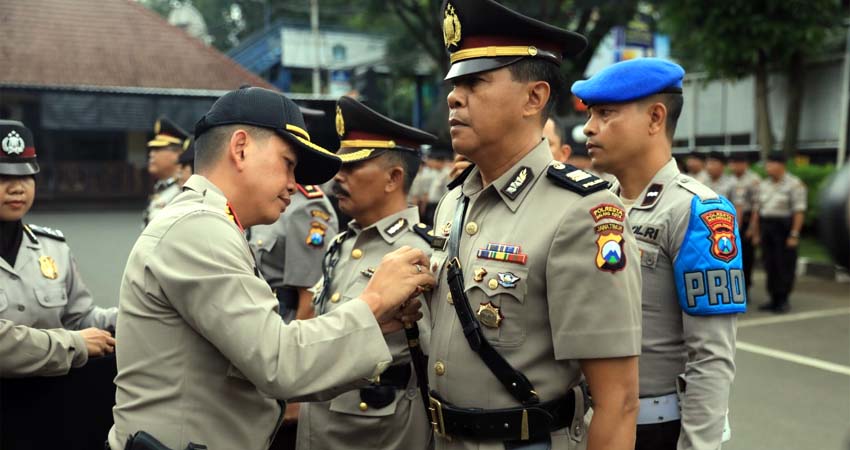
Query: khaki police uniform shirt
x=723 y=185
x=745 y=194
x=781 y=199
x=340 y=423
x=674 y=343
x=560 y=307
x=289 y=252
x=203 y=352
x=45 y=289
x=26 y=351
x=163 y=192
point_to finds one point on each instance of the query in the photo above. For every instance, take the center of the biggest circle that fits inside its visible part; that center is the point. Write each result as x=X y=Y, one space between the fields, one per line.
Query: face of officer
x=560 y=152
x=484 y=109
x=714 y=167
x=694 y=164
x=16 y=196
x=616 y=135
x=774 y=169
x=363 y=188
x=162 y=162
x=738 y=167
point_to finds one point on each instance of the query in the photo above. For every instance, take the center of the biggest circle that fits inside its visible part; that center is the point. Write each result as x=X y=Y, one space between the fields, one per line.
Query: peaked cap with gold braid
x=364 y=133
x=482 y=35
x=167 y=134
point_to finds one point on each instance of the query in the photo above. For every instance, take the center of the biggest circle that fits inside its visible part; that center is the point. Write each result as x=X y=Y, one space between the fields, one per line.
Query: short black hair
x=408 y=161
x=531 y=69
x=559 y=128
x=673 y=103
x=210 y=145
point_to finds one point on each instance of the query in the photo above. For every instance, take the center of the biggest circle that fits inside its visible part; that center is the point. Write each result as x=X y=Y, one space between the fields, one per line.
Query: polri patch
x=521 y=179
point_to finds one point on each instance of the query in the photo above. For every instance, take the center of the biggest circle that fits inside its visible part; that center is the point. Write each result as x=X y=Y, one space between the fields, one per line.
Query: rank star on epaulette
x=310 y=191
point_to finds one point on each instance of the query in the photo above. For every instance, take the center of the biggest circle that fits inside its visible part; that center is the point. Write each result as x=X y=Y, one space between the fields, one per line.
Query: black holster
x=144 y=441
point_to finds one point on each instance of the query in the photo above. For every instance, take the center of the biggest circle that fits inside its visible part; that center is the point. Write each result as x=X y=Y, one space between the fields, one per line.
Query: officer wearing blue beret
x=693 y=282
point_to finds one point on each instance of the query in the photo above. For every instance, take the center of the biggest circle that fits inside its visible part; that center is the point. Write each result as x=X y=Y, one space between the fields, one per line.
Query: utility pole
x=314 y=27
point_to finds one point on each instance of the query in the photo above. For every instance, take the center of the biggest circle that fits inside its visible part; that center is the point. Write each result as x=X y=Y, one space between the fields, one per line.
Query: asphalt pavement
x=791 y=392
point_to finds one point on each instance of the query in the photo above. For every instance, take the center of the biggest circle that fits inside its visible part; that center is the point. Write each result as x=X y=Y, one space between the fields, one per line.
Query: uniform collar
x=393 y=226
x=162 y=184
x=656 y=187
x=515 y=184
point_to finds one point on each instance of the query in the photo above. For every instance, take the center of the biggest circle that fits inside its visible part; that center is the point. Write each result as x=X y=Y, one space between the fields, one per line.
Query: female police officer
x=40 y=285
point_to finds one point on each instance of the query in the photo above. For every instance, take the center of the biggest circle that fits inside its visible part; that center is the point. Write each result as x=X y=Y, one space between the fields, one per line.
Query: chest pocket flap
x=52 y=297
x=496 y=294
x=349 y=403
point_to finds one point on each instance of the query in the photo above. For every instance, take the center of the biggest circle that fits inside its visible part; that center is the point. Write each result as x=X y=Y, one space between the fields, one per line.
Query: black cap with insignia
x=167 y=134
x=364 y=133
x=264 y=108
x=187 y=158
x=482 y=35
x=17 y=149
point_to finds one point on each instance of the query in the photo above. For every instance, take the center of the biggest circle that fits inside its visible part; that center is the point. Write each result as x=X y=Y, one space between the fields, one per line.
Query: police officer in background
x=538 y=281
x=693 y=285
x=695 y=166
x=745 y=193
x=204 y=351
x=186 y=162
x=163 y=152
x=777 y=223
x=380 y=159
x=40 y=285
x=717 y=179
x=26 y=351
x=553 y=131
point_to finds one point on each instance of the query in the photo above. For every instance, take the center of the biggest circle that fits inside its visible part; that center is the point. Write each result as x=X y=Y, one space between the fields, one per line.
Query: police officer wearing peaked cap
x=380 y=160
x=207 y=356
x=163 y=153
x=693 y=284
x=538 y=278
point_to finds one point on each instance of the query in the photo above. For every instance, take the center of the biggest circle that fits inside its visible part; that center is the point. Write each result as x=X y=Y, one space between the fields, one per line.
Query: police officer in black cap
x=205 y=356
x=163 y=153
x=186 y=162
x=778 y=221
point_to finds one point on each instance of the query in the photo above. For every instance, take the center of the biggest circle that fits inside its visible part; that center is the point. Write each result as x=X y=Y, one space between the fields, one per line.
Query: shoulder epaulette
x=310 y=191
x=424 y=231
x=695 y=187
x=45 y=231
x=575 y=179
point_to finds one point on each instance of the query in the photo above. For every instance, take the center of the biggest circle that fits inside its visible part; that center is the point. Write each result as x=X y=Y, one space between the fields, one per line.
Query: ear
x=236 y=148
x=657 y=113
x=538 y=96
x=567 y=151
x=395 y=179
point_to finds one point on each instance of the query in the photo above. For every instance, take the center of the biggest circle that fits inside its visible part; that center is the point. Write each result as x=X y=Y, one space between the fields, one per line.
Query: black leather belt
x=520 y=423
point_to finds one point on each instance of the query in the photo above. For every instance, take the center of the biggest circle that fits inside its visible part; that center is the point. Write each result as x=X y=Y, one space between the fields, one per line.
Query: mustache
x=337 y=190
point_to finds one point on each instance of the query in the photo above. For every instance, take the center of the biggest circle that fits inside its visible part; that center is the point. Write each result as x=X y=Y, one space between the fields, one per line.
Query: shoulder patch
x=574 y=179
x=310 y=191
x=45 y=231
x=695 y=187
x=424 y=231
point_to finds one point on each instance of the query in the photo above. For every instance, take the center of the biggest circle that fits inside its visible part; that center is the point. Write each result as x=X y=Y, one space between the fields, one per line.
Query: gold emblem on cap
x=532 y=51
x=340 y=122
x=48 y=267
x=451 y=27
x=489 y=315
x=157 y=127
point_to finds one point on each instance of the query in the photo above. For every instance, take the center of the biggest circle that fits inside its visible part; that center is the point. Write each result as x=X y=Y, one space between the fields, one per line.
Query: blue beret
x=630 y=80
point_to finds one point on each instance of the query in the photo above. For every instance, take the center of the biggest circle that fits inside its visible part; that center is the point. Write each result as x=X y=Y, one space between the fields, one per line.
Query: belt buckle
x=437 y=422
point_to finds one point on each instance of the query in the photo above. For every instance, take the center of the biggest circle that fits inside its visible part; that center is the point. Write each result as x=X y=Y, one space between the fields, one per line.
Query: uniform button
x=363 y=406
x=492 y=284
x=21 y=307
x=335 y=297
x=449 y=298
x=439 y=368
x=260 y=242
x=471 y=228
x=357 y=253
